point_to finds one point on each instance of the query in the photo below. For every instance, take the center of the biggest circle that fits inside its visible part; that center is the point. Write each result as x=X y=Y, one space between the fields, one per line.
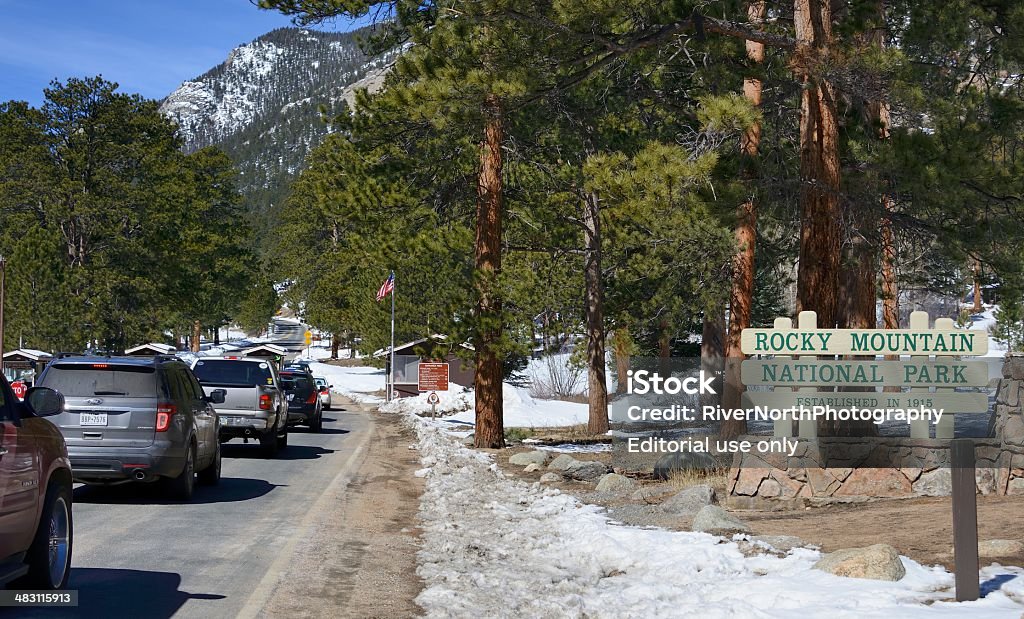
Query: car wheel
x=210 y=476
x=180 y=487
x=269 y=443
x=282 y=439
x=318 y=422
x=49 y=556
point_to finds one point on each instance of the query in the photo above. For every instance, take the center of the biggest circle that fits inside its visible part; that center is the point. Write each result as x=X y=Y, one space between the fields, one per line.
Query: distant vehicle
x=36 y=532
x=303 y=399
x=325 y=391
x=299 y=366
x=254 y=404
x=136 y=419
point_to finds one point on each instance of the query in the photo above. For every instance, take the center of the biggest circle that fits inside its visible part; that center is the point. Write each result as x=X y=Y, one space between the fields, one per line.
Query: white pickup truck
x=254 y=404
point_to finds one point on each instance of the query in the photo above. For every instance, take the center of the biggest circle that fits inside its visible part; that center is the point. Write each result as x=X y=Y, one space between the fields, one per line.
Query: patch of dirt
x=921 y=529
x=362 y=562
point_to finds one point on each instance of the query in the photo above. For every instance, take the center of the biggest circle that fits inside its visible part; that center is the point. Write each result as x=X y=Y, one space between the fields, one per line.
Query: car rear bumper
x=236 y=426
x=301 y=415
x=99 y=465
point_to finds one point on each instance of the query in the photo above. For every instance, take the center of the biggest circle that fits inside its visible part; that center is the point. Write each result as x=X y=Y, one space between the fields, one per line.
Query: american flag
x=386 y=287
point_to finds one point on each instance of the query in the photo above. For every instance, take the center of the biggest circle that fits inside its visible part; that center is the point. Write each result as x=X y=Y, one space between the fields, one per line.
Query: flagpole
x=391 y=395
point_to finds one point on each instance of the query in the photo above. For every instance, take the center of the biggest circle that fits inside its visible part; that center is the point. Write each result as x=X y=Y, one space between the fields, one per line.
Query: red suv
x=35 y=491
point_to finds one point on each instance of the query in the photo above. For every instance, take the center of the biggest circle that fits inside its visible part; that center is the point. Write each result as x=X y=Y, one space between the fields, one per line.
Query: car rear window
x=230 y=373
x=89 y=379
x=294 y=382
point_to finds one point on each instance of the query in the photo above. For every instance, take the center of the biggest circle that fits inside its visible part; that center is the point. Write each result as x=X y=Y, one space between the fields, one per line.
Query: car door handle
x=3 y=451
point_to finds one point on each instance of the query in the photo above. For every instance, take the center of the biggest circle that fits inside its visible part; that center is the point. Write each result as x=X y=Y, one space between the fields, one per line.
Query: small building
x=267 y=351
x=435 y=348
x=25 y=364
x=151 y=349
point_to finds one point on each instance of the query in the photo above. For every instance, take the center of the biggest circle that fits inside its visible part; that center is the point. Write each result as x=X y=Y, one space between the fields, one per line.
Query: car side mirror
x=44 y=402
x=216 y=396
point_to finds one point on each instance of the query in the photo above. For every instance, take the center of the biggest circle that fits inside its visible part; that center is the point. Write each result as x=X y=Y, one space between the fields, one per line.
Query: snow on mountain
x=262 y=105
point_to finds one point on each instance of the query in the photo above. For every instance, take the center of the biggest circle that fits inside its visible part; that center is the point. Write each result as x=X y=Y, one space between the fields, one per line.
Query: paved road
x=137 y=555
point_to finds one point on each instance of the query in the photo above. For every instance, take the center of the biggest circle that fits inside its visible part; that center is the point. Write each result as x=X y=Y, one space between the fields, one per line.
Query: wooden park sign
x=815 y=373
x=863 y=342
x=433 y=376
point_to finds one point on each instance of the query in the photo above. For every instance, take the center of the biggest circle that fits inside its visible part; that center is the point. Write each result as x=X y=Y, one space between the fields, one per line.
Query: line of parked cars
x=115 y=420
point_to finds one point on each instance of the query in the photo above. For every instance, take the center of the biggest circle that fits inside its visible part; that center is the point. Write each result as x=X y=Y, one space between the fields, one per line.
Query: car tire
x=269 y=443
x=318 y=422
x=210 y=476
x=181 y=487
x=282 y=439
x=49 y=556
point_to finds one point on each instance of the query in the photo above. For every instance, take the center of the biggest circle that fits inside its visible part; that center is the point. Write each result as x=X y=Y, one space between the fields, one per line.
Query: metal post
x=965 y=519
x=391 y=387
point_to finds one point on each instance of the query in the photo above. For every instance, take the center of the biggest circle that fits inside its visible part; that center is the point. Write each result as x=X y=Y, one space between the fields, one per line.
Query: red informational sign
x=20 y=389
x=433 y=376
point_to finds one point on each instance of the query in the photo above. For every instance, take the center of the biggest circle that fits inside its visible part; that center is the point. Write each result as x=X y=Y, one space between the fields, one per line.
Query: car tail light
x=324 y=390
x=164 y=412
x=312 y=397
x=265 y=402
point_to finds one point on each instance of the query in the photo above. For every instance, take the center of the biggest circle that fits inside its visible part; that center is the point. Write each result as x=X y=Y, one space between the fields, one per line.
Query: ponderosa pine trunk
x=978 y=306
x=820 y=216
x=890 y=291
x=712 y=354
x=197 y=331
x=741 y=299
x=489 y=431
x=622 y=345
x=597 y=383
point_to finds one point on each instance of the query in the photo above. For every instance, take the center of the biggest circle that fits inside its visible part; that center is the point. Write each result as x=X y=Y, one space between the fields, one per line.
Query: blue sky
x=147 y=46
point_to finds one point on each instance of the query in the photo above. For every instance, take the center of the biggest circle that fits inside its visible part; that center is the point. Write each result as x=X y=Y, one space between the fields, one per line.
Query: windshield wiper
x=109 y=393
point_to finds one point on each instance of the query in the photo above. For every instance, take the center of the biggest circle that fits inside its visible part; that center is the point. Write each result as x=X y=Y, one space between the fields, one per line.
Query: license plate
x=92 y=419
x=291 y=396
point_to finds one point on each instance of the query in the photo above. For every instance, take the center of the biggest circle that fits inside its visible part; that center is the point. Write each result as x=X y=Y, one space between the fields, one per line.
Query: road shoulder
x=357 y=555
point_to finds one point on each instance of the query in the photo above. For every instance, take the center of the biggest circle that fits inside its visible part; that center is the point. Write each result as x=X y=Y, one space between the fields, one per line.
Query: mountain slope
x=262 y=104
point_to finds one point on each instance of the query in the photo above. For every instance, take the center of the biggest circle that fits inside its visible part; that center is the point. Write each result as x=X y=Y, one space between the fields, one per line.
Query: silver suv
x=141 y=419
x=254 y=404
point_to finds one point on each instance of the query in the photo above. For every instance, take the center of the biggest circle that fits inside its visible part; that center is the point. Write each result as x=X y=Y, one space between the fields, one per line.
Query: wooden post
x=965 y=520
x=783 y=427
x=919 y=428
x=946 y=428
x=807 y=428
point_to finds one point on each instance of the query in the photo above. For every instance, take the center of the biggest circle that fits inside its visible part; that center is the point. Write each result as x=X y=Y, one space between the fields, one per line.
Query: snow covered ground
x=498 y=547
x=360 y=383
x=521 y=410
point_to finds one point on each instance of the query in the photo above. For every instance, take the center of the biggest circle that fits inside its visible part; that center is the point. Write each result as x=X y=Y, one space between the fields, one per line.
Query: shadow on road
x=322 y=430
x=230 y=490
x=292 y=452
x=114 y=593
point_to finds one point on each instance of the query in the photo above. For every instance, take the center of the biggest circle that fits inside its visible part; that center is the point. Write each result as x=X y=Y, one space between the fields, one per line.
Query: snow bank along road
x=222 y=554
x=493 y=546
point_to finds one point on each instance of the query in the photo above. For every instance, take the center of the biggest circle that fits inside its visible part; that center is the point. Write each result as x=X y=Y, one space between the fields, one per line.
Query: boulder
x=586 y=471
x=531 y=467
x=877 y=562
x=615 y=483
x=652 y=493
x=782 y=543
x=938 y=482
x=562 y=462
x=470 y=440
x=998 y=548
x=683 y=461
x=715 y=520
x=529 y=457
x=550 y=478
x=690 y=501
